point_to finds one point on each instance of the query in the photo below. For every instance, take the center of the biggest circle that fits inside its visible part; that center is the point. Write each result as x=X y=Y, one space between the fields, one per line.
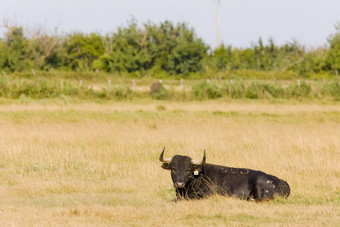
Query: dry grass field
x=97 y=164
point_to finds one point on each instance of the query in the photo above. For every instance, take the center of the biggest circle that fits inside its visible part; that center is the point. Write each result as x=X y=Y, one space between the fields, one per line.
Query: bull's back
x=243 y=182
x=229 y=180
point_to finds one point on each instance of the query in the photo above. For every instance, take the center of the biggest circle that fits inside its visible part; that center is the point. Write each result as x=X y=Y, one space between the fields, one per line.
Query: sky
x=242 y=22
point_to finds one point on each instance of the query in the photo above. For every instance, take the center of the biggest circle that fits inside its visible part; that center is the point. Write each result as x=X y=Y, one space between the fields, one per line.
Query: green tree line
x=164 y=48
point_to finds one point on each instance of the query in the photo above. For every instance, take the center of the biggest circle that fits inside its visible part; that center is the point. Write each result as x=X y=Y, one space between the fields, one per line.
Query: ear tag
x=196 y=172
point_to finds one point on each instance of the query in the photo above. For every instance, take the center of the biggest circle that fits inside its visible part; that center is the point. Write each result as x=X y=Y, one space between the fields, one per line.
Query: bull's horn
x=199 y=162
x=168 y=160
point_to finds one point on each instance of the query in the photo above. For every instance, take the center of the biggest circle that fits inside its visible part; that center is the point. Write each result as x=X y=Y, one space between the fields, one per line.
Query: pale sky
x=242 y=22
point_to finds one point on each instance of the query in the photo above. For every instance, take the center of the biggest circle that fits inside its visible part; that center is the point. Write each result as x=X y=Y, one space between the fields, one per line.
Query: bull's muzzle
x=179 y=185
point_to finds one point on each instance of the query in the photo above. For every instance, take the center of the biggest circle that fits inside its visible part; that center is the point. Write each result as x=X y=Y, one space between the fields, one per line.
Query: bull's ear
x=197 y=169
x=166 y=166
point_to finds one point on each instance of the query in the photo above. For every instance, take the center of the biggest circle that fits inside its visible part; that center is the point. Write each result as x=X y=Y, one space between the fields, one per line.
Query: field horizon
x=97 y=163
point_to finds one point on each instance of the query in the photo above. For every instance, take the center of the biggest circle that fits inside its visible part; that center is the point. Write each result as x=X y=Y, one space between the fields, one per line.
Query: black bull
x=194 y=180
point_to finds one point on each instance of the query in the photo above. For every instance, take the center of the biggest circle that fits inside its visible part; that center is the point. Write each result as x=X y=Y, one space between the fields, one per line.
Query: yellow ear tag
x=196 y=172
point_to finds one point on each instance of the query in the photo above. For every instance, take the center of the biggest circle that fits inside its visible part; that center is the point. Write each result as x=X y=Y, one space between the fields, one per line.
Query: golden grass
x=97 y=164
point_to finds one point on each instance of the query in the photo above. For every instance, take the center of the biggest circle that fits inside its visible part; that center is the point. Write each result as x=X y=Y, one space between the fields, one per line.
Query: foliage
x=206 y=90
x=42 y=88
x=4 y=88
x=174 y=49
x=260 y=90
x=158 y=91
x=333 y=55
x=332 y=89
x=79 y=51
x=299 y=90
x=234 y=89
x=164 y=50
x=15 y=52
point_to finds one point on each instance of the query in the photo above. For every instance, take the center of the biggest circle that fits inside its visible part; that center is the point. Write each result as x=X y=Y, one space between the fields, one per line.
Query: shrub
x=299 y=90
x=36 y=89
x=206 y=90
x=253 y=91
x=121 y=93
x=4 y=88
x=258 y=90
x=235 y=89
x=158 y=91
x=332 y=89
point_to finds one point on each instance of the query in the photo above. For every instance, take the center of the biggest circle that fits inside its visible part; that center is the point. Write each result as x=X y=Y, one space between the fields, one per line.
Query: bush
x=235 y=89
x=332 y=89
x=258 y=90
x=43 y=89
x=299 y=90
x=206 y=90
x=253 y=91
x=38 y=89
x=4 y=88
x=158 y=91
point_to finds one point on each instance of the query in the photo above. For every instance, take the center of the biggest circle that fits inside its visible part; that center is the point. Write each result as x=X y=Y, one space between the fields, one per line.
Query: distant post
x=33 y=72
x=109 y=84
x=80 y=82
x=133 y=85
x=3 y=72
x=182 y=85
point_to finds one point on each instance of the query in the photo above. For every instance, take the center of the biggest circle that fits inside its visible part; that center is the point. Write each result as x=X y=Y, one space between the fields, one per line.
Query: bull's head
x=182 y=168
